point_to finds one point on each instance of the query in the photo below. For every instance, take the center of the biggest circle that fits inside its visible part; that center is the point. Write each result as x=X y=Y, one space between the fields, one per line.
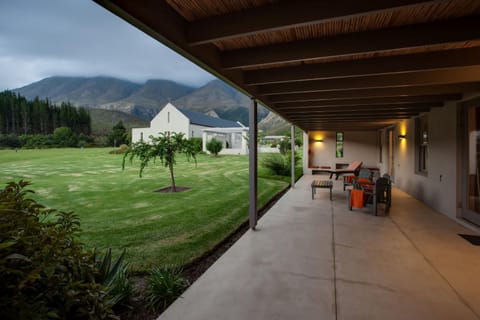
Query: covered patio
x=400 y=79
x=315 y=259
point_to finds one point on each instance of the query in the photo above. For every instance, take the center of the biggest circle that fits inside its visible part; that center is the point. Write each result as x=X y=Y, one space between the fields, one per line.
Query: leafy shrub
x=279 y=164
x=44 y=270
x=9 y=141
x=164 y=286
x=197 y=144
x=65 y=137
x=115 y=278
x=33 y=141
x=214 y=146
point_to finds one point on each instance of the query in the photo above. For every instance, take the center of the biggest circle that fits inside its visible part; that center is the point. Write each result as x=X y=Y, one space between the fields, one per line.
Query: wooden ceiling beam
x=375 y=93
x=351 y=127
x=393 y=101
x=432 y=77
x=375 y=108
x=364 y=115
x=420 y=35
x=374 y=66
x=280 y=15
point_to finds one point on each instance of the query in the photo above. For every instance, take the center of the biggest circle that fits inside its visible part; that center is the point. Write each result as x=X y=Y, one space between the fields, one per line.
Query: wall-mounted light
x=402 y=137
x=318 y=140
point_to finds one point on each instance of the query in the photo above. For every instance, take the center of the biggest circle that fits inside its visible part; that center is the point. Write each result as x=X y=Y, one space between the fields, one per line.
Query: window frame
x=421 y=145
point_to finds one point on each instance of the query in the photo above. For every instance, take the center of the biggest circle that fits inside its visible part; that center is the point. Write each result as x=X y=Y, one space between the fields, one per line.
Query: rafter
x=375 y=93
x=393 y=101
x=427 y=34
x=433 y=77
x=278 y=16
x=353 y=115
x=381 y=65
x=373 y=109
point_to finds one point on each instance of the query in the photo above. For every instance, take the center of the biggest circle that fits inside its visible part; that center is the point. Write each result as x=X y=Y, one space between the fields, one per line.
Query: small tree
x=118 y=135
x=214 y=146
x=165 y=147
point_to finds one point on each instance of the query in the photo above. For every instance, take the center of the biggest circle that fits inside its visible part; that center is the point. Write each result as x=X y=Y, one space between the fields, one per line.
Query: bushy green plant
x=114 y=277
x=214 y=146
x=9 y=141
x=280 y=164
x=65 y=137
x=164 y=286
x=45 y=273
x=197 y=144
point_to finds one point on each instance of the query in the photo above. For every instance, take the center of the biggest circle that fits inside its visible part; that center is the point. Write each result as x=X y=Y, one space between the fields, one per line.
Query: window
x=339 y=146
x=421 y=145
x=380 y=147
x=141 y=136
x=192 y=134
x=168 y=117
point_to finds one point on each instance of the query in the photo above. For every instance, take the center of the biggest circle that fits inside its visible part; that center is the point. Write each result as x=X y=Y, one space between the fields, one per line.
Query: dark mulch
x=169 y=189
x=194 y=269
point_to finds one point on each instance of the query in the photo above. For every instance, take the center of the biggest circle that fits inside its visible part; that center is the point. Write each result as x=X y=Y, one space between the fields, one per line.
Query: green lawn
x=120 y=210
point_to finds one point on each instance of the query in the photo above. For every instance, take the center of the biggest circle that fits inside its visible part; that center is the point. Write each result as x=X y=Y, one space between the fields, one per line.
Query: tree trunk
x=173 y=189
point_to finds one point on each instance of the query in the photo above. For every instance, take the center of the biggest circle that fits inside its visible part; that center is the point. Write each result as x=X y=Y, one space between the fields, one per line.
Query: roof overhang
x=361 y=65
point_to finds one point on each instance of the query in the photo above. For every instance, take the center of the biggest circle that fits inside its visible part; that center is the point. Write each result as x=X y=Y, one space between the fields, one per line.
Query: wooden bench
x=322 y=184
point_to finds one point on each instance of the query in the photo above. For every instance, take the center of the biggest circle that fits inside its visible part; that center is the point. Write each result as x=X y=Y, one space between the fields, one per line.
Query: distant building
x=195 y=124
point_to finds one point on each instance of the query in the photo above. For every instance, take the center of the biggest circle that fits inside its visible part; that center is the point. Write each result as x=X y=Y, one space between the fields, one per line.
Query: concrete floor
x=315 y=259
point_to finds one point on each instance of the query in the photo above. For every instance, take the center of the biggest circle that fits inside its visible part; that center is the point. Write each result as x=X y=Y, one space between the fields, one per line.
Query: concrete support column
x=204 y=141
x=292 y=150
x=252 y=164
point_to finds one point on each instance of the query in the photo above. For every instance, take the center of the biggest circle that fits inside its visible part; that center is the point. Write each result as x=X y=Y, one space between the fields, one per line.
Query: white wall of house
x=169 y=119
x=233 y=139
x=358 y=145
x=195 y=131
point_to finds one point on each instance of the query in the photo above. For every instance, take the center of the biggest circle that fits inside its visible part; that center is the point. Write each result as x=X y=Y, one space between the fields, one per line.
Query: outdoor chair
x=364 y=175
x=374 y=193
x=352 y=168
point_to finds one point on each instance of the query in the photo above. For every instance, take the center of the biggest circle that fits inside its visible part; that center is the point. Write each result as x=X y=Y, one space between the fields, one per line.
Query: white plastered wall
x=196 y=130
x=438 y=187
x=358 y=145
x=169 y=119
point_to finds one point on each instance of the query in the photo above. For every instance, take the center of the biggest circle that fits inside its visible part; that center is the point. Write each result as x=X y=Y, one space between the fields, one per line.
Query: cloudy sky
x=43 y=38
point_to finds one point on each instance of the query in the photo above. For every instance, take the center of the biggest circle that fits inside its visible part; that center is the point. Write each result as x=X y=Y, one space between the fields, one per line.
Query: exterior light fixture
x=402 y=137
x=318 y=140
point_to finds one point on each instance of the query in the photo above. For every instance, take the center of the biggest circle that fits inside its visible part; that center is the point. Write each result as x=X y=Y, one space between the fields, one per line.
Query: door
x=390 y=150
x=471 y=205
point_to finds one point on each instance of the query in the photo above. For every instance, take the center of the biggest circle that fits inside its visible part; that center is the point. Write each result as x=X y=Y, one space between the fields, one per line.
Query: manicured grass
x=120 y=210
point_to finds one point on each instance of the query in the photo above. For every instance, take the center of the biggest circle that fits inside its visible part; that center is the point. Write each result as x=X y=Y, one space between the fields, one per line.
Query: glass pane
x=339 y=136
x=339 y=151
x=473 y=159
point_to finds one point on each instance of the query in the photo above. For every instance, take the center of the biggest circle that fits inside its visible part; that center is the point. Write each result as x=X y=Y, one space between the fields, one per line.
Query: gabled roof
x=207 y=121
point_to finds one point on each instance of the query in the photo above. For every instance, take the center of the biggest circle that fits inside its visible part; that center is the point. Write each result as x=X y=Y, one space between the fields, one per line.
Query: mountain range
x=139 y=103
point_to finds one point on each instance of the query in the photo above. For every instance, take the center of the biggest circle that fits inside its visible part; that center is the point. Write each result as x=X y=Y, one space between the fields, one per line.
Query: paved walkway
x=315 y=259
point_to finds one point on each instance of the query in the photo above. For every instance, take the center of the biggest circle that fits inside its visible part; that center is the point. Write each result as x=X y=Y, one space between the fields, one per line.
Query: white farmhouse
x=193 y=124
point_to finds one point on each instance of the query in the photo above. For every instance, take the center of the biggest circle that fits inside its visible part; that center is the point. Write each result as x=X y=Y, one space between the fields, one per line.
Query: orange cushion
x=363 y=180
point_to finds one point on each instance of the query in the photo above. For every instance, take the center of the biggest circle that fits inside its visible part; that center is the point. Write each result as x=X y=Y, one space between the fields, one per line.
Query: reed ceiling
x=361 y=65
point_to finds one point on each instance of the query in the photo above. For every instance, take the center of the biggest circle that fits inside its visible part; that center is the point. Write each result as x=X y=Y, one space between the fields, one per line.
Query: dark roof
x=207 y=121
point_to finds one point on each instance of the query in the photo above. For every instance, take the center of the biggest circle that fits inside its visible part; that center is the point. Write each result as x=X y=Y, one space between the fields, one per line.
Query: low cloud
x=45 y=38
